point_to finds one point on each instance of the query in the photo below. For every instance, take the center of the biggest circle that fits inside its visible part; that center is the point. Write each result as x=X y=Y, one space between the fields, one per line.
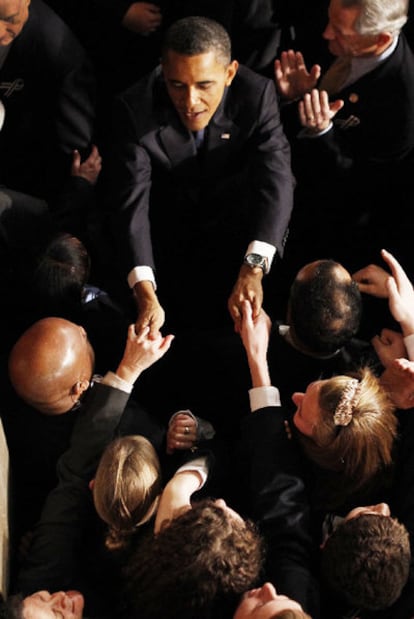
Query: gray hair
x=379 y=15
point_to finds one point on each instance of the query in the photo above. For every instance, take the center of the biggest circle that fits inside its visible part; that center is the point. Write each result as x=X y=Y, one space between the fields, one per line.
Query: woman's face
x=264 y=603
x=307 y=413
x=59 y=605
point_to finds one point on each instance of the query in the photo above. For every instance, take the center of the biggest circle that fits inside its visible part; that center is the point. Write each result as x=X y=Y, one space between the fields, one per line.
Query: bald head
x=51 y=365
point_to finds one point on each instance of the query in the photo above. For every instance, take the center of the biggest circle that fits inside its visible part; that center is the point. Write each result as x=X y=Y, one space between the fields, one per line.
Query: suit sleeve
x=57 y=540
x=279 y=505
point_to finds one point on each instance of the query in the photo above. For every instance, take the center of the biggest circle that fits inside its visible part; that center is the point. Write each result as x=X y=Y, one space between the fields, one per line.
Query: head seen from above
x=347 y=424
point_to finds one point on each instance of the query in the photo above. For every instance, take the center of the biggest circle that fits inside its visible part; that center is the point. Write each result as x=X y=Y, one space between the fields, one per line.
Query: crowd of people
x=208 y=313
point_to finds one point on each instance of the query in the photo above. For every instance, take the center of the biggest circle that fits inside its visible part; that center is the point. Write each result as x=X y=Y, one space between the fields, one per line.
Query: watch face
x=255 y=260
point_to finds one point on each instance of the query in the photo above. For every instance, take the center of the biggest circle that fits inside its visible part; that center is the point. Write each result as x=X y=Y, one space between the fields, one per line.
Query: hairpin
x=343 y=411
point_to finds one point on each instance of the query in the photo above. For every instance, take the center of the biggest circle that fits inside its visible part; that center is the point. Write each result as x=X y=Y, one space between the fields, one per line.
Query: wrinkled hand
x=315 y=110
x=182 y=433
x=141 y=352
x=150 y=312
x=398 y=380
x=389 y=346
x=248 y=287
x=292 y=78
x=88 y=169
x=372 y=280
x=395 y=286
x=142 y=18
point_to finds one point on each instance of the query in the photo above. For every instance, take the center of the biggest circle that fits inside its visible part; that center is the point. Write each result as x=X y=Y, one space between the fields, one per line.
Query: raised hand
x=293 y=79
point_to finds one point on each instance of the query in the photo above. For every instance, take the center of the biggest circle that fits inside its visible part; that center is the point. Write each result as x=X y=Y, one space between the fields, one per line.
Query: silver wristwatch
x=256 y=260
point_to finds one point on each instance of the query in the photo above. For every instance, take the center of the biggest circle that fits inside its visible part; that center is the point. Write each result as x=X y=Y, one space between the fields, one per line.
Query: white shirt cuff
x=113 y=380
x=409 y=344
x=260 y=397
x=264 y=249
x=308 y=133
x=199 y=465
x=141 y=274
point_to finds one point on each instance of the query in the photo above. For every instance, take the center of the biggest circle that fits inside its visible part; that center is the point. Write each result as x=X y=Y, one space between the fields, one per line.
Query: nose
x=220 y=503
x=60 y=600
x=192 y=97
x=297 y=398
x=328 y=33
x=268 y=592
x=3 y=28
x=382 y=508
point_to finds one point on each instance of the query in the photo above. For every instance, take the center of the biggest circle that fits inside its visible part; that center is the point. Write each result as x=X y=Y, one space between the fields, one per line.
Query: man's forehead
x=8 y=8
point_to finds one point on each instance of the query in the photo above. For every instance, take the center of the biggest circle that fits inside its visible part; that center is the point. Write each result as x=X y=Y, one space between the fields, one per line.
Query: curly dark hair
x=195 y=568
x=366 y=561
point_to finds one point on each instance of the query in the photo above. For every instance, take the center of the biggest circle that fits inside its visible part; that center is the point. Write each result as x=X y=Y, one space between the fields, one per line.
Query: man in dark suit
x=198 y=178
x=352 y=148
x=47 y=87
x=57 y=428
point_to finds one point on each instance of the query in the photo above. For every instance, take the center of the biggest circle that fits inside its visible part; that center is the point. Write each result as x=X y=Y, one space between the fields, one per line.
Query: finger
x=396 y=268
x=300 y=62
x=76 y=160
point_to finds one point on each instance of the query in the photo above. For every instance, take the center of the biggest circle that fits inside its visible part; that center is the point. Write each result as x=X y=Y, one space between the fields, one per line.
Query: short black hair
x=195 y=35
x=12 y=608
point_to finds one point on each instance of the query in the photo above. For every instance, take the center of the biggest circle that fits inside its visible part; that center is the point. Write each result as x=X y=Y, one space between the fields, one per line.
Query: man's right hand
x=292 y=78
x=150 y=312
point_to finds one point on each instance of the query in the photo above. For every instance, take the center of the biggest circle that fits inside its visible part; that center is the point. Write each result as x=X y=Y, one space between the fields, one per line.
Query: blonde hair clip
x=343 y=411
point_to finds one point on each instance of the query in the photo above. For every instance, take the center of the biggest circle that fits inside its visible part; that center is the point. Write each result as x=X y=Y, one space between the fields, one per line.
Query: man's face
x=380 y=509
x=45 y=605
x=196 y=85
x=341 y=34
x=265 y=603
x=13 y=16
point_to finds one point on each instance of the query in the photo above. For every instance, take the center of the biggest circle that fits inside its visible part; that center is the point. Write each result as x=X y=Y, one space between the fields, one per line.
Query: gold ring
x=186 y=430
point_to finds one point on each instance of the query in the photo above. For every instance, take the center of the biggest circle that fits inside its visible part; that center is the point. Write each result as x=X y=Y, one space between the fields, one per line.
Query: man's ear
x=231 y=71
x=384 y=39
x=79 y=387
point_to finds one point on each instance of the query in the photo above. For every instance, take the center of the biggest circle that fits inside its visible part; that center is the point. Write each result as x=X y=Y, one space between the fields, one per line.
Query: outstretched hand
x=395 y=286
x=292 y=78
x=141 y=352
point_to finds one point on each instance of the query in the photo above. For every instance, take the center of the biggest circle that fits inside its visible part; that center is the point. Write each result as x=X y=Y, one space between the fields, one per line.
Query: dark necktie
x=198 y=138
x=336 y=75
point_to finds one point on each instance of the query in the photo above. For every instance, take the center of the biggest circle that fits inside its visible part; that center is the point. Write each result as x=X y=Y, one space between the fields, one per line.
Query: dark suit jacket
x=349 y=177
x=172 y=209
x=52 y=560
x=48 y=88
x=277 y=501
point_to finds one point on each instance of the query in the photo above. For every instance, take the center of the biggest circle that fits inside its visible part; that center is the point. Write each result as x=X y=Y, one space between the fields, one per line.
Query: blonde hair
x=363 y=446
x=127 y=487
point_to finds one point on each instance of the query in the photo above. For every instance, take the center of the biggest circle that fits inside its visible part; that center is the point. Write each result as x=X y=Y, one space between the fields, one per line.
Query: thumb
x=76 y=161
